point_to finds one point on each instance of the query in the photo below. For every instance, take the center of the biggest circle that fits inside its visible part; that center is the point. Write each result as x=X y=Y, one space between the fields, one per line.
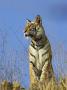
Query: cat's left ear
x=28 y=21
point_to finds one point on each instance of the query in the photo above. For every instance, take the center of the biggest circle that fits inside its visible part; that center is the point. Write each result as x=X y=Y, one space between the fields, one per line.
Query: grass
x=52 y=85
x=5 y=85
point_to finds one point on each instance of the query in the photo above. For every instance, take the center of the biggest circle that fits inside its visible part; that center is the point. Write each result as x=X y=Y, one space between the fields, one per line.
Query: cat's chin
x=27 y=38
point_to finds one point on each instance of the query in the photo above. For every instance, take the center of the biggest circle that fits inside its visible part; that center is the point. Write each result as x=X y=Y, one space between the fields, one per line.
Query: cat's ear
x=28 y=21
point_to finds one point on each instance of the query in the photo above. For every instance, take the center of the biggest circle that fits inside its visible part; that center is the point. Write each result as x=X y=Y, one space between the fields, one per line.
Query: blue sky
x=13 y=54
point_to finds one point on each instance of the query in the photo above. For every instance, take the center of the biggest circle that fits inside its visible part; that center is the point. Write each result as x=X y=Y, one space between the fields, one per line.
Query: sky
x=13 y=44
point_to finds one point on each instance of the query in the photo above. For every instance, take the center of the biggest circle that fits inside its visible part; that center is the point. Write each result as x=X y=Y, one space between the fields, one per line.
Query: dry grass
x=5 y=85
x=52 y=85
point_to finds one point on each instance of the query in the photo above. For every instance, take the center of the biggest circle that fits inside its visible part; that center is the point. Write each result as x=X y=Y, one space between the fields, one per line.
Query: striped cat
x=40 y=54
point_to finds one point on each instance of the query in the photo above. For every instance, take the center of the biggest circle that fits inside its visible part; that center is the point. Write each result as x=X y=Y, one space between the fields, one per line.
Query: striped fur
x=40 y=58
